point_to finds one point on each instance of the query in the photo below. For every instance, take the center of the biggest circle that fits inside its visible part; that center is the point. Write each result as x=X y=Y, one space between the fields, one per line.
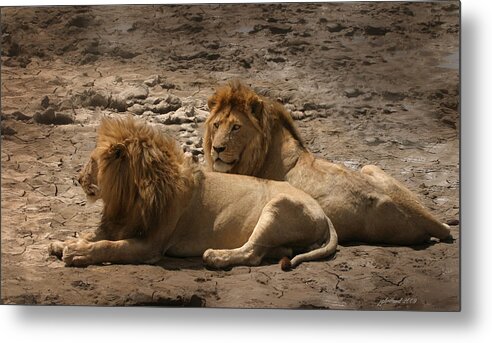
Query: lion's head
x=239 y=130
x=136 y=170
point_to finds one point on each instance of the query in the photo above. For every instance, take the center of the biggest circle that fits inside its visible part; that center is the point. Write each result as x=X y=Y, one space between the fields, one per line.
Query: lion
x=249 y=134
x=158 y=201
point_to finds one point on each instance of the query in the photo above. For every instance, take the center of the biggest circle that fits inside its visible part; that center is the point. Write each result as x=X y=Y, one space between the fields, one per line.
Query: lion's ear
x=256 y=105
x=212 y=102
x=118 y=150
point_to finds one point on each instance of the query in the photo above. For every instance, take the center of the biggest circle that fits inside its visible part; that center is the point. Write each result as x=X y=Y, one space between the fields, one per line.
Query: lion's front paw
x=77 y=254
x=56 y=249
x=213 y=258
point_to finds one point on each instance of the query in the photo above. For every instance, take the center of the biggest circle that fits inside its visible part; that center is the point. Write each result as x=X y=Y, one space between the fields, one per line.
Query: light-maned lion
x=251 y=135
x=158 y=201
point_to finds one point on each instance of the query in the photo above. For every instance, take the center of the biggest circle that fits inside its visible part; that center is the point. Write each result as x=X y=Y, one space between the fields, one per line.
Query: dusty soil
x=367 y=83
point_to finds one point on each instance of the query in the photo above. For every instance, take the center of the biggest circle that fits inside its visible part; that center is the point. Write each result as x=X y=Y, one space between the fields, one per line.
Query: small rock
x=352 y=92
x=167 y=85
x=7 y=130
x=162 y=118
x=200 y=118
x=180 y=119
x=99 y=100
x=88 y=58
x=246 y=62
x=310 y=113
x=135 y=92
x=174 y=101
x=375 y=31
x=137 y=109
x=309 y=106
x=88 y=98
x=152 y=81
x=394 y=96
x=189 y=111
x=188 y=127
x=279 y=29
x=153 y=100
x=335 y=27
x=367 y=97
x=170 y=103
x=163 y=107
x=80 y=21
x=298 y=115
x=276 y=59
x=448 y=120
x=200 y=115
x=45 y=102
x=147 y=114
x=118 y=103
x=197 y=151
x=123 y=53
x=19 y=116
x=50 y=117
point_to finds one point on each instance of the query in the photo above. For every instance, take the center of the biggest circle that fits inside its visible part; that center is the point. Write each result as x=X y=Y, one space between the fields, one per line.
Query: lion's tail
x=328 y=248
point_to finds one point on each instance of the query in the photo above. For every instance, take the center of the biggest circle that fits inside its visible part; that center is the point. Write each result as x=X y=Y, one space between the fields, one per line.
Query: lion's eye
x=216 y=124
x=236 y=127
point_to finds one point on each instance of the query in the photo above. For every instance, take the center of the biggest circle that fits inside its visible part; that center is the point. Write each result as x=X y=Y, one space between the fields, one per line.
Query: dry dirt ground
x=367 y=83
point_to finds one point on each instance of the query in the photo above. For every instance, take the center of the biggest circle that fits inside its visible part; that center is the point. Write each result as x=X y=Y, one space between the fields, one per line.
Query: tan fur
x=157 y=201
x=368 y=206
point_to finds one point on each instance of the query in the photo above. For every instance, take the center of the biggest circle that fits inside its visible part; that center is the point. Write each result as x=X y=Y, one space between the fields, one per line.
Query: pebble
x=7 y=130
x=99 y=100
x=167 y=85
x=174 y=101
x=352 y=92
x=335 y=27
x=163 y=107
x=162 y=118
x=50 y=117
x=298 y=115
x=375 y=31
x=18 y=116
x=135 y=92
x=188 y=127
x=200 y=118
x=152 y=81
x=197 y=151
x=118 y=103
x=153 y=100
x=45 y=102
x=147 y=113
x=137 y=109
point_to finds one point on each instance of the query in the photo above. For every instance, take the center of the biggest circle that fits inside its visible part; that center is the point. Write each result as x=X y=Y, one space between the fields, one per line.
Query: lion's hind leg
x=284 y=222
x=405 y=208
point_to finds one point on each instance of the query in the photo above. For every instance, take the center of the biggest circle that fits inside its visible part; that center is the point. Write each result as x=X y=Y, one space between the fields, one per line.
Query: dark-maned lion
x=251 y=135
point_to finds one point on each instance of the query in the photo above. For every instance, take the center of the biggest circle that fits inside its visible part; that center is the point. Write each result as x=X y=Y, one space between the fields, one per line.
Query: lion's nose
x=219 y=149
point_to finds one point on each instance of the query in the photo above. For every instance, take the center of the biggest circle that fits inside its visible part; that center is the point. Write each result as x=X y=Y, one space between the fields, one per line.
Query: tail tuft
x=453 y=222
x=285 y=264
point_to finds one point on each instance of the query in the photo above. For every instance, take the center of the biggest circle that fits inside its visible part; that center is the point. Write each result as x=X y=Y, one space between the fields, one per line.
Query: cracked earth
x=366 y=82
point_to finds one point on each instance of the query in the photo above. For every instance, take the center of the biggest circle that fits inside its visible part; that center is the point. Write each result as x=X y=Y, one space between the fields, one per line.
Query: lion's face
x=88 y=180
x=230 y=132
x=106 y=168
x=236 y=135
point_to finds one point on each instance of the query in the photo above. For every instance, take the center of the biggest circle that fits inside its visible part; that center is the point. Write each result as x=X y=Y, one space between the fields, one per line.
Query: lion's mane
x=141 y=171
